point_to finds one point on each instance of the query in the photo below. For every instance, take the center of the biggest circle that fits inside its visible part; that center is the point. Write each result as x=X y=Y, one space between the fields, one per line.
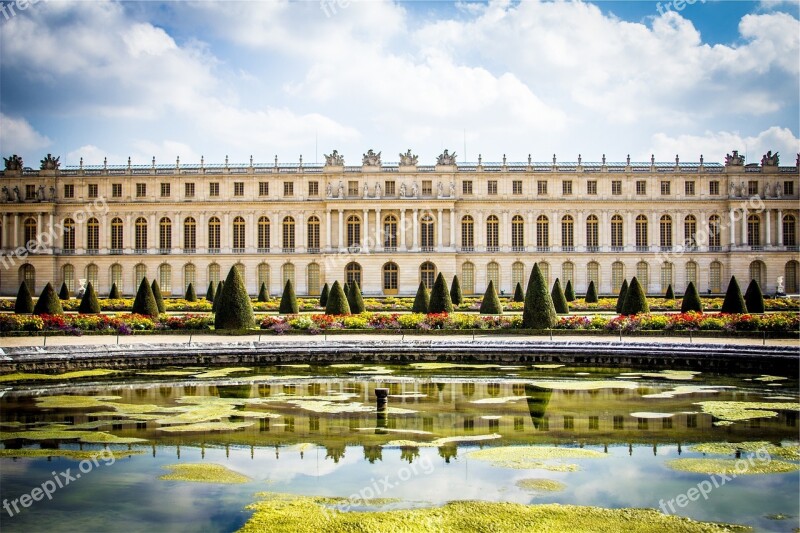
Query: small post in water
x=382 y=398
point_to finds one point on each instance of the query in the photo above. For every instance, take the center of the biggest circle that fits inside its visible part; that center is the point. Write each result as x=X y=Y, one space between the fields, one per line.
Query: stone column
x=415 y=229
x=128 y=230
x=653 y=231
x=365 y=233
x=769 y=222
x=504 y=244
x=104 y=240
x=341 y=230
x=225 y=236
x=378 y=231
x=452 y=229
x=4 y=236
x=440 y=232
x=152 y=232
x=201 y=235
x=328 y=245
x=744 y=227
x=780 y=227
x=251 y=235
x=40 y=229
x=301 y=226
x=402 y=243
x=530 y=232
x=733 y=227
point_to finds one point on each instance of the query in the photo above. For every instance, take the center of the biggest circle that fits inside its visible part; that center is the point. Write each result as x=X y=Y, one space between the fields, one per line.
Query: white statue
x=440 y=190
x=330 y=190
x=780 y=285
x=778 y=191
x=377 y=190
x=402 y=190
x=366 y=190
x=341 y=190
x=414 y=190
x=452 y=190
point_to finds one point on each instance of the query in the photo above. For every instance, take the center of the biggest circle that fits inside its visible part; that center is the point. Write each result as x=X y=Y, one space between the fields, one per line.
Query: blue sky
x=190 y=79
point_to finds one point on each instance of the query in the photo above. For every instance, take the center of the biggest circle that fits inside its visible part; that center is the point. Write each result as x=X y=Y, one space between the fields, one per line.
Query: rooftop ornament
x=770 y=160
x=371 y=159
x=408 y=159
x=50 y=163
x=334 y=159
x=446 y=158
x=734 y=160
x=13 y=163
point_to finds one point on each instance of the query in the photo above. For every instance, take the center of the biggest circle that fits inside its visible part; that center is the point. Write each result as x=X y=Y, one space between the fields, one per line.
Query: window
x=545 y=269
x=92 y=235
x=789 y=231
x=189 y=276
x=642 y=271
x=116 y=190
x=616 y=232
x=116 y=235
x=566 y=187
x=542 y=233
x=492 y=233
x=188 y=190
x=213 y=235
x=312 y=237
x=239 y=230
x=92 y=275
x=68 y=242
x=140 y=235
x=30 y=192
x=427 y=187
x=592 y=234
x=164 y=235
x=139 y=272
x=69 y=191
x=688 y=188
x=665 y=230
x=567 y=273
x=68 y=276
x=313 y=188
x=617 y=276
x=593 y=273
x=165 y=278
x=641 y=187
x=468 y=278
x=27 y=273
x=426 y=236
x=757 y=271
x=390 y=233
x=541 y=187
x=467 y=234
x=141 y=190
x=388 y=188
x=714 y=233
x=713 y=188
x=427 y=274
x=263 y=235
x=213 y=189
x=288 y=235
x=641 y=232
x=754 y=230
x=517 y=234
x=791 y=278
x=568 y=233
x=238 y=188
x=666 y=277
x=353 y=231
x=491 y=187
x=691 y=273
x=616 y=187
x=213 y=275
x=93 y=191
x=165 y=190
x=352 y=273
x=591 y=187
x=518 y=275
x=493 y=275
x=752 y=188
x=312 y=275
x=788 y=188
x=352 y=188
x=690 y=232
x=390 y=278
x=263 y=188
x=516 y=187
x=665 y=188
x=262 y=273
x=466 y=187
x=189 y=235
x=715 y=277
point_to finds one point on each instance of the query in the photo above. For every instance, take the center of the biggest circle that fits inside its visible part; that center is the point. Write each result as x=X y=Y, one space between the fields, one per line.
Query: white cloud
x=714 y=145
x=92 y=155
x=17 y=136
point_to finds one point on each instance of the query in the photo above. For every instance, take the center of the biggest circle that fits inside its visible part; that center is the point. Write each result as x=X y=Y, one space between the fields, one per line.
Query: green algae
x=222 y=372
x=168 y=373
x=584 y=385
x=534 y=457
x=791 y=451
x=536 y=484
x=503 y=399
x=372 y=371
x=674 y=375
x=76 y=455
x=57 y=432
x=652 y=415
x=732 y=411
x=547 y=366
x=767 y=377
x=22 y=376
x=443 y=441
x=346 y=365
x=203 y=473
x=206 y=427
x=688 y=389
x=731 y=466
x=306 y=514
x=448 y=366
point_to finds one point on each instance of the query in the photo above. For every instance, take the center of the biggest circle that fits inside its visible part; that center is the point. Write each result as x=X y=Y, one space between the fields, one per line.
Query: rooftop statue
x=13 y=163
x=371 y=159
x=408 y=159
x=445 y=158
x=50 y=163
x=734 y=160
x=334 y=159
x=770 y=159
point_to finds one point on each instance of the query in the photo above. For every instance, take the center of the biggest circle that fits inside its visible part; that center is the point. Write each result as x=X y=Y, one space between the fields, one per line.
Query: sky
x=96 y=79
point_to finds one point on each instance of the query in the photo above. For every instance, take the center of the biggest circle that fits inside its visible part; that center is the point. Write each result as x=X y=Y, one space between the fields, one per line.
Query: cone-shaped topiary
x=89 y=303
x=519 y=294
x=346 y=288
x=491 y=303
x=217 y=294
x=323 y=296
x=114 y=294
x=422 y=300
x=234 y=309
x=691 y=300
x=190 y=295
x=48 y=302
x=354 y=299
x=63 y=294
x=159 y=298
x=288 y=304
x=337 y=301
x=753 y=298
x=635 y=300
x=24 y=303
x=591 y=294
x=734 y=302
x=538 y=312
x=569 y=291
x=621 y=297
x=263 y=295
x=145 y=302
x=670 y=294
x=456 y=297
x=559 y=300
x=210 y=291
x=440 y=297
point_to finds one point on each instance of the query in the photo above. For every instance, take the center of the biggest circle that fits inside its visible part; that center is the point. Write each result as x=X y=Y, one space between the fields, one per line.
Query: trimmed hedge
x=157 y=295
x=90 y=305
x=48 y=302
x=210 y=292
x=288 y=300
x=323 y=296
x=337 y=301
x=753 y=298
x=190 y=295
x=234 y=309
x=354 y=299
x=734 y=301
x=263 y=294
x=559 y=300
x=519 y=294
x=491 y=303
x=145 y=302
x=539 y=312
x=670 y=294
x=569 y=292
x=621 y=298
x=456 y=296
x=422 y=300
x=217 y=294
x=63 y=294
x=635 y=300
x=691 y=300
x=440 y=297
x=114 y=294
x=24 y=302
x=591 y=294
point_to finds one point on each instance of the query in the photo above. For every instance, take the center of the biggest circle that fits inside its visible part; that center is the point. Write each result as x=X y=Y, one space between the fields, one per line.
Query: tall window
x=616 y=232
x=68 y=276
x=642 y=274
x=714 y=233
x=691 y=273
x=517 y=275
x=189 y=276
x=239 y=230
x=757 y=272
x=27 y=273
x=592 y=234
x=568 y=233
x=427 y=240
x=665 y=230
x=312 y=272
x=352 y=272
x=139 y=272
x=390 y=233
x=116 y=276
x=617 y=276
x=262 y=273
x=116 y=237
x=690 y=232
x=493 y=275
x=92 y=235
x=467 y=234
x=312 y=237
x=517 y=234
x=213 y=235
x=789 y=231
x=666 y=276
x=427 y=274
x=468 y=278
x=213 y=274
x=567 y=273
x=68 y=241
x=791 y=279
x=263 y=236
x=92 y=275
x=241 y=269
x=288 y=236
x=545 y=268
x=641 y=232
x=189 y=235
x=492 y=233
x=715 y=277
x=287 y=273
x=754 y=230
x=542 y=232
x=165 y=235
x=353 y=231
x=593 y=274
x=165 y=278
x=390 y=278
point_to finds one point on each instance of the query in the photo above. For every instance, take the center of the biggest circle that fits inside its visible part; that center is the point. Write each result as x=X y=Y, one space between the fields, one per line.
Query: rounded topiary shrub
x=24 y=303
x=234 y=308
x=559 y=300
x=621 y=297
x=753 y=298
x=288 y=304
x=456 y=296
x=48 y=302
x=159 y=298
x=539 y=312
x=210 y=291
x=190 y=295
x=569 y=291
x=63 y=294
x=90 y=305
x=145 y=302
x=491 y=303
x=591 y=294
x=519 y=294
x=670 y=294
x=114 y=294
x=635 y=299
x=354 y=298
x=734 y=301
x=323 y=296
x=421 y=300
x=337 y=301
x=691 y=300
x=440 y=301
x=263 y=294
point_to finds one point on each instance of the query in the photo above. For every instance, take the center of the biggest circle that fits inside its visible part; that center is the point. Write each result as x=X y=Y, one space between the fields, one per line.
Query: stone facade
x=392 y=225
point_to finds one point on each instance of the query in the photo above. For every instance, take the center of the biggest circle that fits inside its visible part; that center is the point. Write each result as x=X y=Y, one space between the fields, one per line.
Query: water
x=342 y=454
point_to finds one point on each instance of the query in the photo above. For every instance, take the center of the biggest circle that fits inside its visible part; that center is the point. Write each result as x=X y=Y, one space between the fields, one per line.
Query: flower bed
x=120 y=324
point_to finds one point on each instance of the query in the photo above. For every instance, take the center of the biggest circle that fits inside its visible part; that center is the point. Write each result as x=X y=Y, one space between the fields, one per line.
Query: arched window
x=714 y=233
x=213 y=274
x=467 y=234
x=641 y=233
x=262 y=272
x=390 y=278
x=568 y=273
x=190 y=276
x=189 y=235
x=92 y=236
x=715 y=277
x=593 y=274
x=239 y=231
x=30 y=233
x=518 y=234
x=642 y=274
x=287 y=273
x=542 y=233
x=352 y=272
x=592 y=233
x=616 y=233
x=545 y=269
x=691 y=273
x=92 y=275
x=312 y=238
x=493 y=275
x=390 y=233
x=263 y=236
x=213 y=235
x=312 y=275
x=665 y=230
x=68 y=239
x=353 y=232
x=140 y=236
x=427 y=273
x=568 y=233
x=492 y=234
x=468 y=278
x=754 y=231
x=116 y=276
x=240 y=268
x=790 y=277
x=666 y=276
x=27 y=273
x=165 y=278
x=288 y=236
x=758 y=271
x=427 y=240
x=518 y=275
x=789 y=231
x=139 y=272
x=116 y=237
x=68 y=277
x=617 y=276
x=165 y=235
x=690 y=232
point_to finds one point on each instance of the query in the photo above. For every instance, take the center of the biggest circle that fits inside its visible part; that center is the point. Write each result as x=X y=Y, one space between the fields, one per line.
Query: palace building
x=391 y=225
